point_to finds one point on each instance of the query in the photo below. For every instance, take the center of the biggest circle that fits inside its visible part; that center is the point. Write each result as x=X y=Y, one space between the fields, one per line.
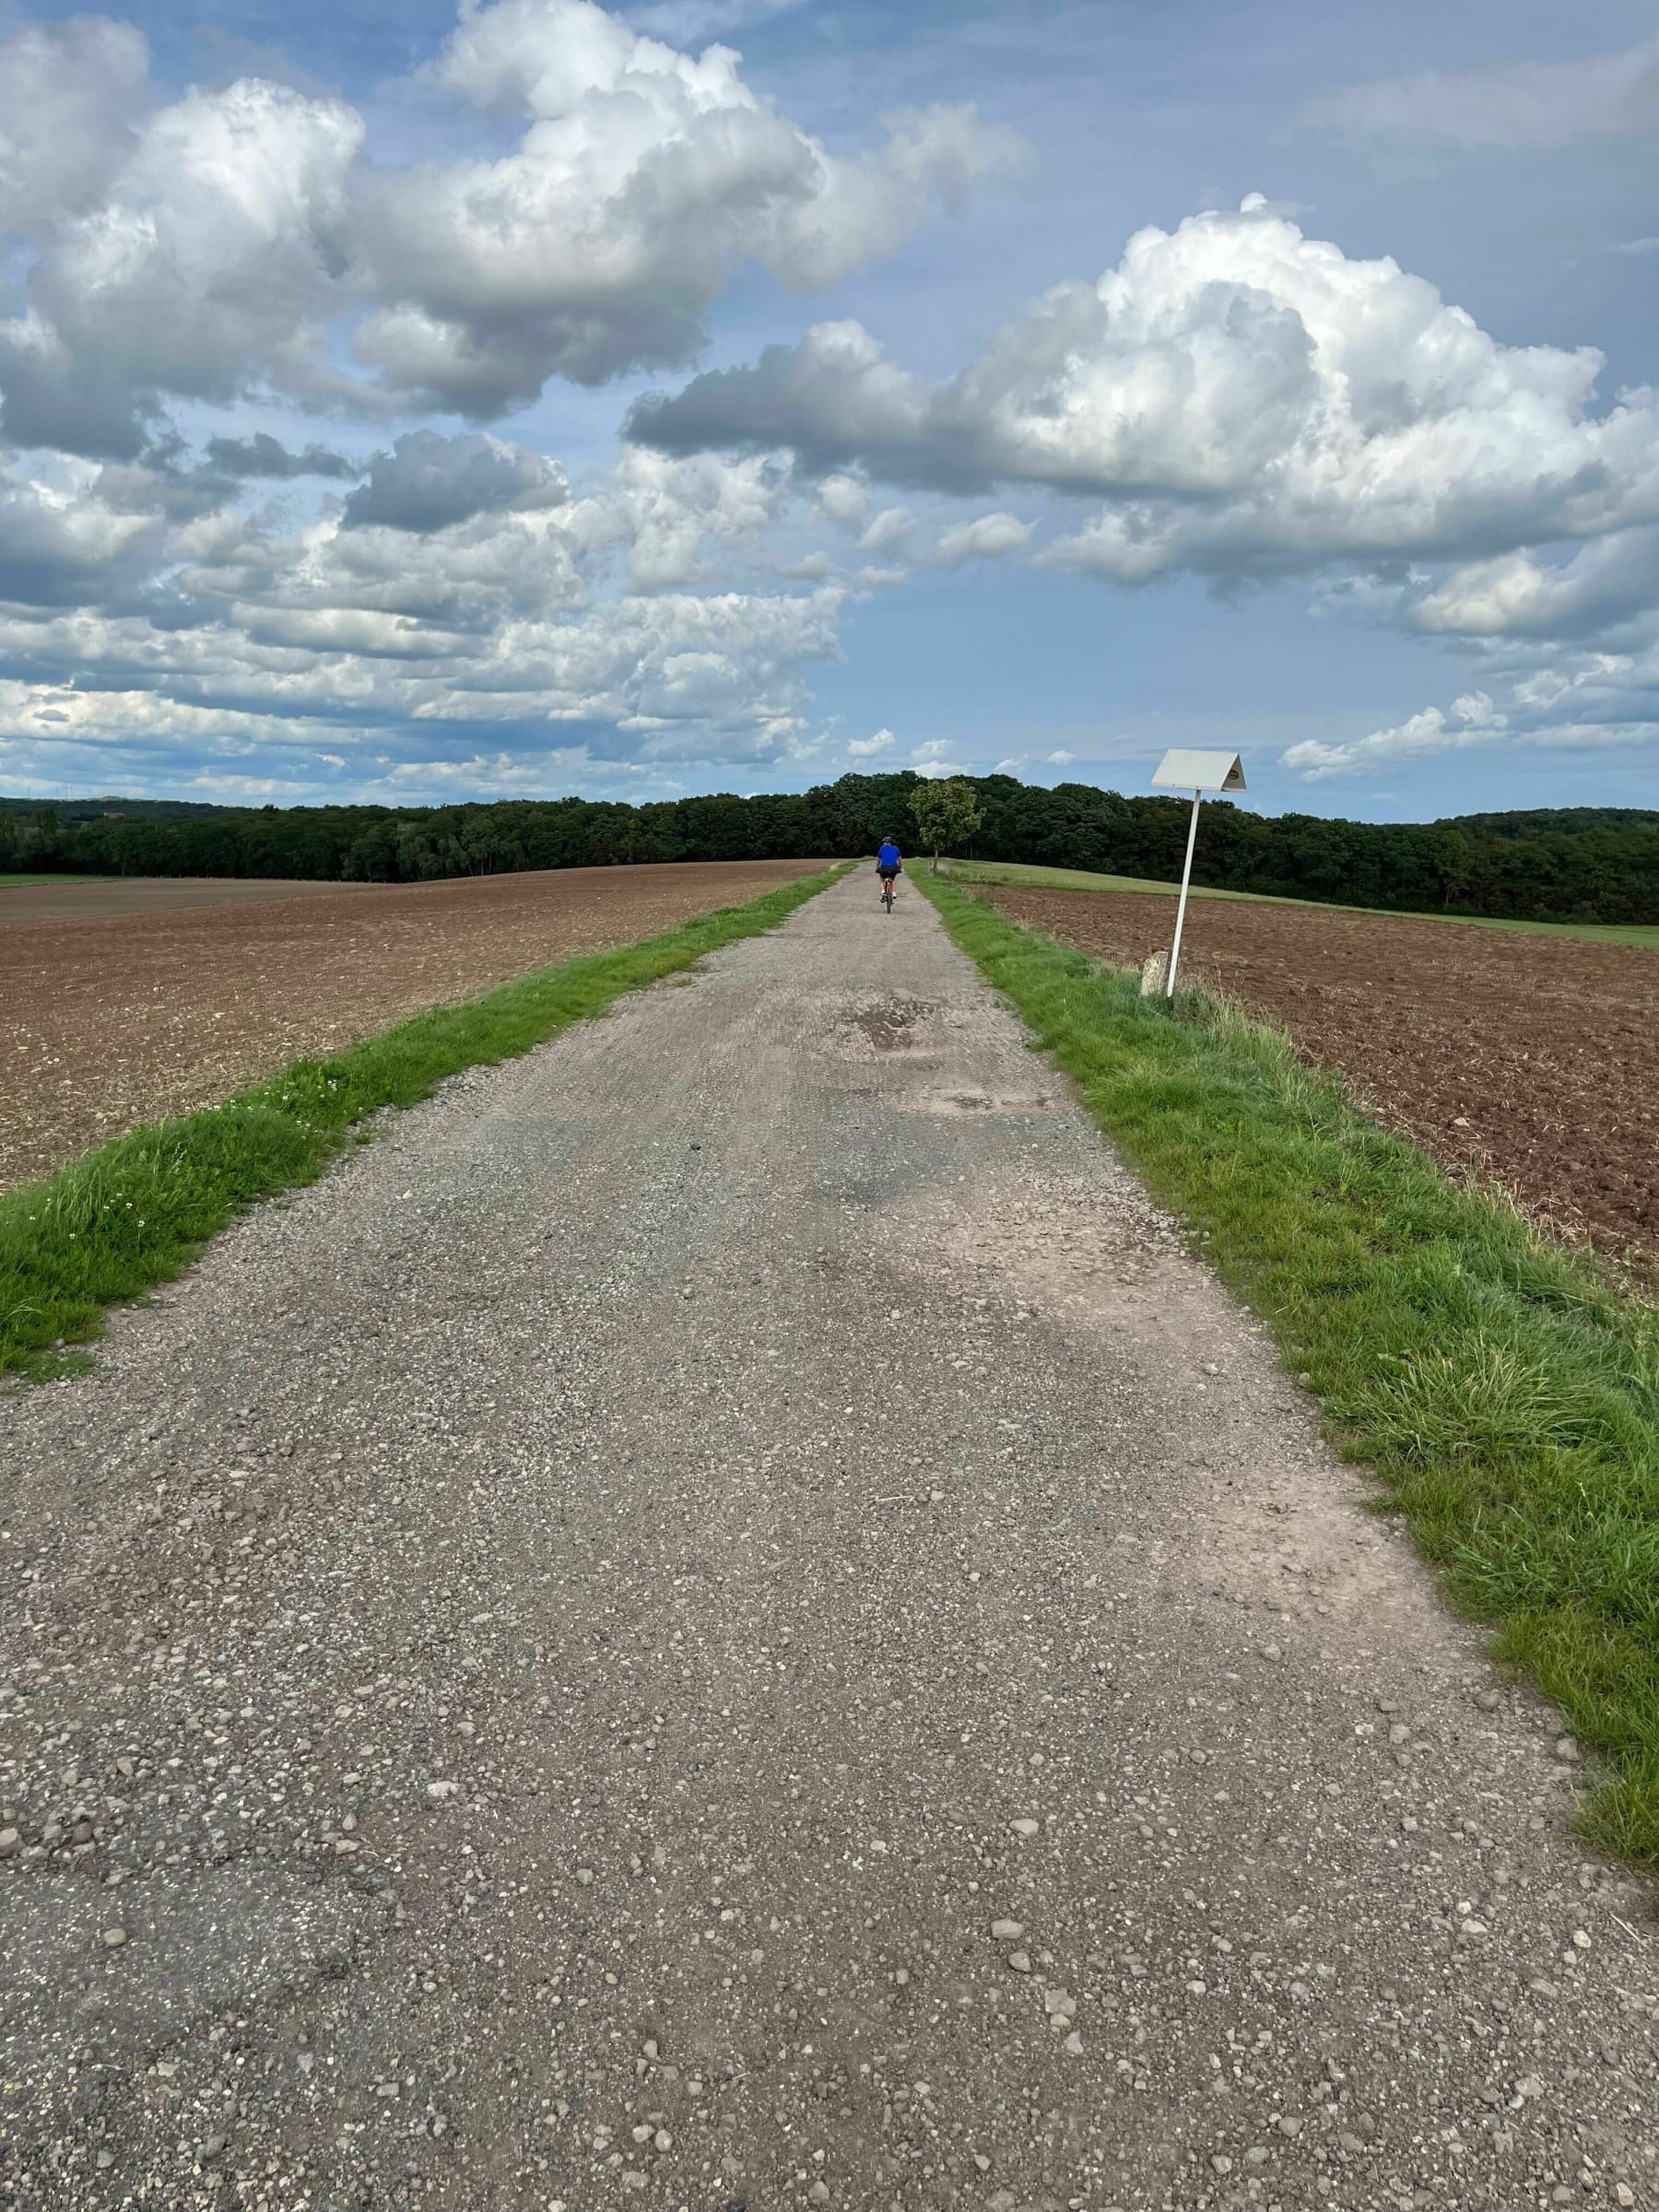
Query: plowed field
x=139 y=1009
x=1532 y=1062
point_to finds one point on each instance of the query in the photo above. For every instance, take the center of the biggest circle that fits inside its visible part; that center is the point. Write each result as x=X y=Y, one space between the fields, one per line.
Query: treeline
x=1569 y=821
x=89 y=810
x=1584 y=864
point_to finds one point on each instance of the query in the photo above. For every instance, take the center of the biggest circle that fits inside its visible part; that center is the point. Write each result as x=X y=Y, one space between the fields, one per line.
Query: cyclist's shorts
x=886 y=874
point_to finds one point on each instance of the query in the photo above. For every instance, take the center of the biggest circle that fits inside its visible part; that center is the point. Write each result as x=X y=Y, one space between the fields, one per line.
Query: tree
x=947 y=813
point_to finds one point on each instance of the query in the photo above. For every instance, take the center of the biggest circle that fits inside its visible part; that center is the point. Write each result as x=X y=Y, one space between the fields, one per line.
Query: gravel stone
x=436 y=1480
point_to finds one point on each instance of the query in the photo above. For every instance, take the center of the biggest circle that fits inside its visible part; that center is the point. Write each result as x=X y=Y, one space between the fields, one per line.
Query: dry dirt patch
x=138 y=1011
x=1526 y=1060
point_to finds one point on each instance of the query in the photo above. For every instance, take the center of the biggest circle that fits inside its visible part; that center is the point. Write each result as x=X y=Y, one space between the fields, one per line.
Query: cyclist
x=890 y=863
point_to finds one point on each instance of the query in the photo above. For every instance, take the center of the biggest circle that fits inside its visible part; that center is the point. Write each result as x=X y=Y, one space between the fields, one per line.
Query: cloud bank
x=1242 y=399
x=176 y=255
x=1238 y=401
x=200 y=248
x=195 y=279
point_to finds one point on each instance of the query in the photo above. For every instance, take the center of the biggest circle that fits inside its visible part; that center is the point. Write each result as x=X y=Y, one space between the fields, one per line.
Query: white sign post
x=1196 y=773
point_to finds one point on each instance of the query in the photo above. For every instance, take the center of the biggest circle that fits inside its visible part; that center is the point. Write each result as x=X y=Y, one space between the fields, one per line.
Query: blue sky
x=721 y=394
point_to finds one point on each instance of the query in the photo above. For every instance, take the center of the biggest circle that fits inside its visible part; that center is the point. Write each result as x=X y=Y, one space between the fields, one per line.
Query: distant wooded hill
x=1571 y=865
x=1552 y=821
x=92 y=810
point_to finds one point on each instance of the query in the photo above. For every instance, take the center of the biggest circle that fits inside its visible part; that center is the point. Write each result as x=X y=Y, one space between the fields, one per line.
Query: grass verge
x=1506 y=1392
x=1026 y=875
x=134 y=1212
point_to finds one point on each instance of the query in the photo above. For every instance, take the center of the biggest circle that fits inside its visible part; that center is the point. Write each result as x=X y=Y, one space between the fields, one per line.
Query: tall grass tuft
x=1504 y=1389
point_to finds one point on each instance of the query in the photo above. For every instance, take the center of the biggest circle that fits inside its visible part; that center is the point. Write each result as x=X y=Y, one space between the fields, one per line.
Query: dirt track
x=144 y=1009
x=1526 y=1060
x=725 y=1618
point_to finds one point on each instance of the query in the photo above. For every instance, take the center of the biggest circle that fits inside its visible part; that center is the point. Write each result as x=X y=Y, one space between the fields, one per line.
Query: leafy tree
x=945 y=813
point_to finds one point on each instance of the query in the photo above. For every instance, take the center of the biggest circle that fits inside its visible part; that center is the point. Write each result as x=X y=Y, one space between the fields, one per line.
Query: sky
x=408 y=404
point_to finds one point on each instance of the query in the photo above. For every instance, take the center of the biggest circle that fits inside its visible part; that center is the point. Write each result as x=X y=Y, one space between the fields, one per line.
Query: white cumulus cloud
x=62 y=542
x=1473 y=721
x=642 y=175
x=1598 y=587
x=242 y=237
x=1240 y=397
x=931 y=760
x=203 y=269
x=845 y=501
x=986 y=537
x=71 y=95
x=888 y=531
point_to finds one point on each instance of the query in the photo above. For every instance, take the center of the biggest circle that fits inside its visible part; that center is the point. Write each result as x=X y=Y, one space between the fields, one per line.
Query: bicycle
x=887 y=893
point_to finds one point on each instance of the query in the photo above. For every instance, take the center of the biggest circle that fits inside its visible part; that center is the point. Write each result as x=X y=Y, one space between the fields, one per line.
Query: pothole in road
x=983 y=1101
x=888 y=1024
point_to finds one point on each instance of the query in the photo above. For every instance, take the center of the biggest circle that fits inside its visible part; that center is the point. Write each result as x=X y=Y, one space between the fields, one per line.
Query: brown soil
x=134 y=1012
x=82 y=898
x=1532 y=1062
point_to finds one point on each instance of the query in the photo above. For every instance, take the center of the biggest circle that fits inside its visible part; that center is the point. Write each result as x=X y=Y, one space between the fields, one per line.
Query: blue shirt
x=888 y=857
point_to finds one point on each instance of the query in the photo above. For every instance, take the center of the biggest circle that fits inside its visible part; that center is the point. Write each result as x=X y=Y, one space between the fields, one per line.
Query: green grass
x=1027 y=878
x=133 y=1213
x=24 y=883
x=1505 y=1390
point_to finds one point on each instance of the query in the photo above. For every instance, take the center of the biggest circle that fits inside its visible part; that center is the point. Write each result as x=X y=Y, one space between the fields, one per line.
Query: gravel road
x=137 y=1010
x=726 y=1618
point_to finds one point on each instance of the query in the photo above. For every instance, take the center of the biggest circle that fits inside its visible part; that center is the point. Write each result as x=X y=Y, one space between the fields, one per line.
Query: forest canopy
x=1586 y=865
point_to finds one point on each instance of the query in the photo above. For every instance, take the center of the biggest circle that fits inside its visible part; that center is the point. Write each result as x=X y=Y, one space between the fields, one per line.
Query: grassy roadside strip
x=1506 y=1393
x=134 y=1212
